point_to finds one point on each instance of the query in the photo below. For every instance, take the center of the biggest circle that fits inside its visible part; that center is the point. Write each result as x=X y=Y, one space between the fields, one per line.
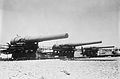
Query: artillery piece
x=25 y=48
x=93 y=51
x=68 y=49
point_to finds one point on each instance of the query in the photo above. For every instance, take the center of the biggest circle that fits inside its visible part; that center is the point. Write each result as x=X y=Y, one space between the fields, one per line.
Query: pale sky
x=84 y=20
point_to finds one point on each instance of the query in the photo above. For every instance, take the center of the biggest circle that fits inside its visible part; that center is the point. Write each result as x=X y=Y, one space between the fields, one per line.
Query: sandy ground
x=59 y=69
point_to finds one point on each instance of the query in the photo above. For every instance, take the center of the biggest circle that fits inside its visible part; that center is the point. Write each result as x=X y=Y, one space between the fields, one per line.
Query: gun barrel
x=99 y=47
x=106 y=47
x=39 y=39
x=80 y=44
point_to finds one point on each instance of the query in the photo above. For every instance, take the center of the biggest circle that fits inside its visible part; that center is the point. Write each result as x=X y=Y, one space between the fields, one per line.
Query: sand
x=59 y=69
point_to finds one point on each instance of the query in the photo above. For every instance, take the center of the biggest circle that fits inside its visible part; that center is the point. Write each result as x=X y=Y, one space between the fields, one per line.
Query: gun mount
x=68 y=49
x=25 y=48
x=93 y=51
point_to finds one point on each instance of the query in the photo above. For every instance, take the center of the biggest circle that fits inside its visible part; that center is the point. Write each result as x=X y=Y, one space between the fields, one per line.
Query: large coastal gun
x=25 y=48
x=69 y=49
x=93 y=51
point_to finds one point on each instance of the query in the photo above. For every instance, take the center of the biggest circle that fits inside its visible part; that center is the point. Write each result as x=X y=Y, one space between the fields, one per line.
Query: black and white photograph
x=59 y=39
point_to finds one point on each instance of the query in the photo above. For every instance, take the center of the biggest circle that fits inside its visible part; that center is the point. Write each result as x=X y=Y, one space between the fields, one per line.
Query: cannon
x=93 y=51
x=25 y=48
x=68 y=49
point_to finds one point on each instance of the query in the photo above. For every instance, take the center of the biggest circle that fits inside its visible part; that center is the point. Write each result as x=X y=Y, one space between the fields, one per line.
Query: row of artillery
x=27 y=47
